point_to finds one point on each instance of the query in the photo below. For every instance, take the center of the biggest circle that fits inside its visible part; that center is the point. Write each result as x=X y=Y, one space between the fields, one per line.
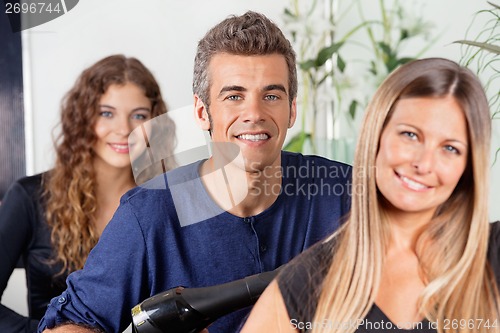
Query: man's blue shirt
x=152 y=244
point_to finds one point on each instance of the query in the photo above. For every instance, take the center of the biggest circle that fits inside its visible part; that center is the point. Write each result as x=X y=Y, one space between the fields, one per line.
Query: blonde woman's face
x=422 y=154
x=121 y=109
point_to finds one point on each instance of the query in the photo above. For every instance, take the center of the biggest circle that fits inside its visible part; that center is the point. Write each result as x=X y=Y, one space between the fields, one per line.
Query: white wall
x=163 y=34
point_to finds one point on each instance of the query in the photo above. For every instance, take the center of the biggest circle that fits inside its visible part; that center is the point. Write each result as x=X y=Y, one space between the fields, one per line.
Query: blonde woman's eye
x=452 y=149
x=409 y=134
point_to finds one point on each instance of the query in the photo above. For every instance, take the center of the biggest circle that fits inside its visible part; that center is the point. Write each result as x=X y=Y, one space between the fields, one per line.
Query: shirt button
x=263 y=248
x=61 y=299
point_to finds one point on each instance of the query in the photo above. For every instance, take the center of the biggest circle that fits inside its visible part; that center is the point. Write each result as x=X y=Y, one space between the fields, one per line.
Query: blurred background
x=344 y=47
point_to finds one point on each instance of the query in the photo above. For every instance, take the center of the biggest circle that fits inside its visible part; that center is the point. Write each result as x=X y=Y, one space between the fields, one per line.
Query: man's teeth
x=253 y=137
x=413 y=184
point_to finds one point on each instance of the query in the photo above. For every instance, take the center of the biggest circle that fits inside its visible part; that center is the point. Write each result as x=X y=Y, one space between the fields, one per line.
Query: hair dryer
x=190 y=310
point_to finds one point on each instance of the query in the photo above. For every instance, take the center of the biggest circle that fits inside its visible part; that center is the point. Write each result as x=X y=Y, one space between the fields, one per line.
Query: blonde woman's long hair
x=452 y=251
x=69 y=189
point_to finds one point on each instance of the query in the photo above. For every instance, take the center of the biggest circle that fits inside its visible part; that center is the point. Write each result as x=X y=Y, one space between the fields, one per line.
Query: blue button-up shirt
x=150 y=245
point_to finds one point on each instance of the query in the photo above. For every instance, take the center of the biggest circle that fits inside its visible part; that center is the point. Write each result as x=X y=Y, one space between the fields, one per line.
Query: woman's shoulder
x=307 y=269
x=300 y=281
x=494 y=249
x=25 y=187
x=313 y=259
x=495 y=234
x=31 y=182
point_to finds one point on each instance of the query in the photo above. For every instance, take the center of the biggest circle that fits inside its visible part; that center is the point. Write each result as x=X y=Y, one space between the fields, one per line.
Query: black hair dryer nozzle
x=190 y=310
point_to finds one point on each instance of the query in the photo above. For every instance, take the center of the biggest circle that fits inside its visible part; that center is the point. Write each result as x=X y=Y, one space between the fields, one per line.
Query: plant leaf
x=324 y=78
x=352 y=108
x=403 y=61
x=307 y=65
x=289 y=13
x=496 y=156
x=485 y=46
x=404 y=34
x=386 y=49
x=391 y=64
x=373 y=68
x=496 y=6
x=341 y=64
x=326 y=53
x=296 y=143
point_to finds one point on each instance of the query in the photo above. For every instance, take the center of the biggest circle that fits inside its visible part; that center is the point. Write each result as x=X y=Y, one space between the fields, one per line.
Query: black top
x=24 y=235
x=300 y=285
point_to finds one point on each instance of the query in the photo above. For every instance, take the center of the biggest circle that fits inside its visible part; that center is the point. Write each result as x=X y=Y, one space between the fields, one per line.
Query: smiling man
x=249 y=208
x=250 y=108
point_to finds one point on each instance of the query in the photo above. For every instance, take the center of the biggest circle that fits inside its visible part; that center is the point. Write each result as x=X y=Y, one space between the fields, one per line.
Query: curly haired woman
x=52 y=220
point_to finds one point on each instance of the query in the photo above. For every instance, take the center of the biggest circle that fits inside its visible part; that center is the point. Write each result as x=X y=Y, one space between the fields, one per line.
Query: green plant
x=313 y=30
x=396 y=26
x=482 y=53
x=325 y=73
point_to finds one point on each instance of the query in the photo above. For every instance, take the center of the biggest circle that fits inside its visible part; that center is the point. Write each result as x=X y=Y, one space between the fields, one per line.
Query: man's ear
x=293 y=113
x=201 y=114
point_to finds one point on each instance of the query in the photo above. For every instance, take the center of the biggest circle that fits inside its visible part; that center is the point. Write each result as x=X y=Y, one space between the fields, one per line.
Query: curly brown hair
x=70 y=187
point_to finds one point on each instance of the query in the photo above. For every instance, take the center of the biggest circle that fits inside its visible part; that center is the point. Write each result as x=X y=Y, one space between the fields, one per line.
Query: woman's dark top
x=300 y=285
x=25 y=235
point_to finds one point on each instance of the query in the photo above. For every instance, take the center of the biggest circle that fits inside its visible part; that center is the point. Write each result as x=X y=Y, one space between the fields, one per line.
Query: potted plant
x=482 y=54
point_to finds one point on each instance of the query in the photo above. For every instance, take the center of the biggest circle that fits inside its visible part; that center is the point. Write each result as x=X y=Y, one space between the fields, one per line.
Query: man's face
x=249 y=106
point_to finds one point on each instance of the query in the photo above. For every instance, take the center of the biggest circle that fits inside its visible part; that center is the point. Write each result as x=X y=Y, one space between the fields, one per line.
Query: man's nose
x=253 y=111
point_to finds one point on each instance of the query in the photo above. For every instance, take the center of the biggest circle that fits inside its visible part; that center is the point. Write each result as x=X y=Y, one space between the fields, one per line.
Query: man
x=249 y=208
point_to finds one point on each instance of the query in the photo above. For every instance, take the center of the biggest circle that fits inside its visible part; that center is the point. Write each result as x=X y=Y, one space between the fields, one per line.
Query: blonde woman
x=52 y=220
x=417 y=253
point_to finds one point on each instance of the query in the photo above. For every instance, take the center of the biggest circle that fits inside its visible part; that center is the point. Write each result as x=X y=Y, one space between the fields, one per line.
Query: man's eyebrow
x=231 y=88
x=270 y=87
x=275 y=87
